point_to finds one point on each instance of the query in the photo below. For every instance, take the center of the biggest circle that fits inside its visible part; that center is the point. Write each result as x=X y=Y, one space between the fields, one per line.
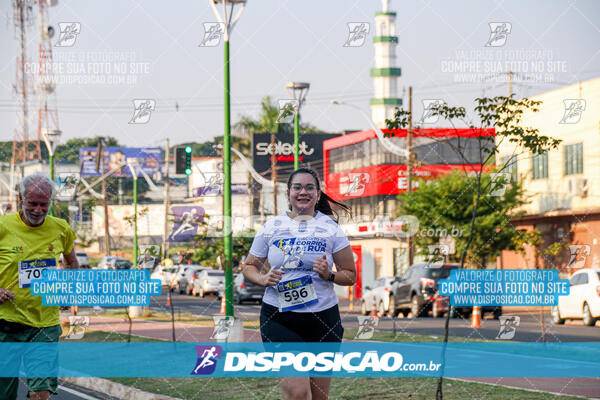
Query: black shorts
x=290 y=326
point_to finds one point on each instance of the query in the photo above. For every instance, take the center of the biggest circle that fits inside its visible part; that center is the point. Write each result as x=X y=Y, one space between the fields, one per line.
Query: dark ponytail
x=324 y=203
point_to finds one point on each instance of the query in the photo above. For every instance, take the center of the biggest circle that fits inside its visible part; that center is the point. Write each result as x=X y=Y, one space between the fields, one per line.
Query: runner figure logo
x=287 y=111
x=68 y=33
x=142 y=110
x=498 y=183
x=430 y=107
x=187 y=220
x=207 y=359
x=437 y=253
x=579 y=253
x=573 y=111
x=354 y=184
x=292 y=253
x=222 y=329
x=357 y=35
x=508 y=327
x=213 y=31
x=498 y=34
x=77 y=325
x=366 y=327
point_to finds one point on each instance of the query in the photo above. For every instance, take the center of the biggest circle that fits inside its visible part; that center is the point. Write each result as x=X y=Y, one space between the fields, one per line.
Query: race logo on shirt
x=294 y=249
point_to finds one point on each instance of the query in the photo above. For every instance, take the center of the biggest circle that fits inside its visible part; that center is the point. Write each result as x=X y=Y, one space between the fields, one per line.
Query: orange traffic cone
x=222 y=311
x=476 y=317
x=374 y=307
x=75 y=309
x=169 y=300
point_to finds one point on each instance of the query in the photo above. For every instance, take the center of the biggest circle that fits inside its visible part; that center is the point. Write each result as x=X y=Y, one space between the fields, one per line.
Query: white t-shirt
x=293 y=246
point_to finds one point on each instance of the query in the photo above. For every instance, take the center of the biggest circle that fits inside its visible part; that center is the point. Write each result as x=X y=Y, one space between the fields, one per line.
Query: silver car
x=82 y=258
x=209 y=281
x=106 y=262
x=186 y=281
x=378 y=296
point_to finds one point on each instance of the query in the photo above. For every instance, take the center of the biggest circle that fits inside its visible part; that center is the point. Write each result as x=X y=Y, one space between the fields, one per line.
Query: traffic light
x=183 y=160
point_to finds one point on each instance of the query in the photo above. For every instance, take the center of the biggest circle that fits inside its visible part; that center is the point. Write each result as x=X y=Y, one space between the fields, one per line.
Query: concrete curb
x=115 y=389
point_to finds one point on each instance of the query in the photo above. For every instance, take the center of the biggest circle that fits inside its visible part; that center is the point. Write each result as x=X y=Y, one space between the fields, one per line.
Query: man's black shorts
x=290 y=326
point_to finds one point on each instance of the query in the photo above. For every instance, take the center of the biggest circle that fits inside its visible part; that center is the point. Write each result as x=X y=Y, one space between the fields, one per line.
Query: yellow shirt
x=19 y=242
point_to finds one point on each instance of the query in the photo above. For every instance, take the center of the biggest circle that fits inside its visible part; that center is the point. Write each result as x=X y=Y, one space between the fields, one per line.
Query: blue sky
x=279 y=41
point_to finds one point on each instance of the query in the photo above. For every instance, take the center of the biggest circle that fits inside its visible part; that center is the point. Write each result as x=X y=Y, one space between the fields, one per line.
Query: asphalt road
x=529 y=329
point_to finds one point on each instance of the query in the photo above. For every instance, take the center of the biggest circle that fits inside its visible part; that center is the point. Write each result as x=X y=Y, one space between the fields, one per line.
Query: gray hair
x=37 y=180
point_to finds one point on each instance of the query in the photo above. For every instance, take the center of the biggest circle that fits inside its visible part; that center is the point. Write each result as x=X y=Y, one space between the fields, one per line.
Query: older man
x=30 y=241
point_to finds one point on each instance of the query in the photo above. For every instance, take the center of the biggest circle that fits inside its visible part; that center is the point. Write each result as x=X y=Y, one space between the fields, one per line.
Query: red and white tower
x=25 y=147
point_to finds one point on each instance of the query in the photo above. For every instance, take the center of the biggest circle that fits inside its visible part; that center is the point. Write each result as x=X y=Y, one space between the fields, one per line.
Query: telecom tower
x=47 y=105
x=24 y=147
x=385 y=73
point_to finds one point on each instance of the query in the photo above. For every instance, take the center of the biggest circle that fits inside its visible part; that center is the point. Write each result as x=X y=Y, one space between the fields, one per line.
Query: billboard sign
x=150 y=159
x=310 y=152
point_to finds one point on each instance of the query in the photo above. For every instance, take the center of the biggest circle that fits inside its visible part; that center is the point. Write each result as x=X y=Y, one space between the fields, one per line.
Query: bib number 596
x=295 y=294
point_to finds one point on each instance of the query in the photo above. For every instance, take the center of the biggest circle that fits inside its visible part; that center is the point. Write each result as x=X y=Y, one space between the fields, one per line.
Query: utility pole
x=274 y=172
x=166 y=222
x=409 y=166
x=105 y=206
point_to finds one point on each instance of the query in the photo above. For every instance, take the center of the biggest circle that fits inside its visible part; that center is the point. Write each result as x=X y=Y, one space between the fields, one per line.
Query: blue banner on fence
x=383 y=360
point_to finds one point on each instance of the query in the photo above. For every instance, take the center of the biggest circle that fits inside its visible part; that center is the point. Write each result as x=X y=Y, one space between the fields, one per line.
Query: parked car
x=244 y=290
x=82 y=258
x=105 y=262
x=208 y=281
x=415 y=290
x=163 y=273
x=583 y=300
x=121 y=263
x=381 y=290
x=222 y=288
x=186 y=282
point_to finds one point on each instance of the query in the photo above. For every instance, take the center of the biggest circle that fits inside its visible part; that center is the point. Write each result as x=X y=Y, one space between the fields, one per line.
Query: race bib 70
x=32 y=269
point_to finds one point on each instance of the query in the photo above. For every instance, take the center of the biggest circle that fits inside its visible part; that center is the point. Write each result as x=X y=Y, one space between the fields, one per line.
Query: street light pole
x=51 y=140
x=228 y=24
x=298 y=91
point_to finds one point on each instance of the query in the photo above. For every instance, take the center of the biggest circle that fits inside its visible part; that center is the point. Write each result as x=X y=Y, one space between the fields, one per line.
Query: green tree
x=444 y=207
x=209 y=249
x=505 y=115
x=267 y=121
x=542 y=252
x=211 y=148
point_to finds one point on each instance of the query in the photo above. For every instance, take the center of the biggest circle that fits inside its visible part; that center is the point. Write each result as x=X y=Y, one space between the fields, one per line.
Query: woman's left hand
x=321 y=267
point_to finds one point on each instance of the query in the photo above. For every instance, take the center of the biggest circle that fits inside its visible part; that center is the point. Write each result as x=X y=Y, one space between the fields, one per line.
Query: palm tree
x=267 y=121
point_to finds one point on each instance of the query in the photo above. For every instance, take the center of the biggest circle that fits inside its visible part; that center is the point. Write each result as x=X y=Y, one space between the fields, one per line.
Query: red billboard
x=357 y=166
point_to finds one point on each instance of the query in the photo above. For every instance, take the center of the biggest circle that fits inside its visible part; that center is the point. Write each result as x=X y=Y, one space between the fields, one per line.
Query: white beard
x=32 y=220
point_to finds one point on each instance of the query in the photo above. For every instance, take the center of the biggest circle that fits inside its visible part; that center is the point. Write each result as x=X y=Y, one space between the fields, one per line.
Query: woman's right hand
x=272 y=277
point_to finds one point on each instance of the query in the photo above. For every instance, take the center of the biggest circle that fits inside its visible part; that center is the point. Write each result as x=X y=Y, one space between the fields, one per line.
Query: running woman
x=300 y=304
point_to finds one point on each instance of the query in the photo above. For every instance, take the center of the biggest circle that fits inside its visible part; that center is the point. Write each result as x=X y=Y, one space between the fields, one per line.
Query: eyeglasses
x=298 y=188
